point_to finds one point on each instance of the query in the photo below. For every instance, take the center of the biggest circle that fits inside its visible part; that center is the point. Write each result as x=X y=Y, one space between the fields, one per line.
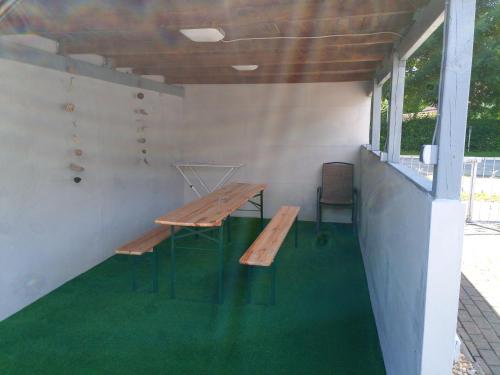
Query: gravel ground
x=463 y=367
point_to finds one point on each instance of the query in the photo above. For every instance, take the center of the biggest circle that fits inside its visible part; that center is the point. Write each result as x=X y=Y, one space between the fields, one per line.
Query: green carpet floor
x=322 y=322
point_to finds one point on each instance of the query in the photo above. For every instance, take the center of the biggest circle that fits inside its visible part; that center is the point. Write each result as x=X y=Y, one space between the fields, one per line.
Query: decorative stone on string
x=69 y=107
x=140 y=111
x=76 y=168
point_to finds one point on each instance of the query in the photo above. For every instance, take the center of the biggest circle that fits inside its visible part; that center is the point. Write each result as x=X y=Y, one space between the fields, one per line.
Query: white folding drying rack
x=183 y=167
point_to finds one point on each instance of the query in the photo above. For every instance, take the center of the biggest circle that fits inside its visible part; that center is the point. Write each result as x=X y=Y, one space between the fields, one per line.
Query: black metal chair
x=337 y=189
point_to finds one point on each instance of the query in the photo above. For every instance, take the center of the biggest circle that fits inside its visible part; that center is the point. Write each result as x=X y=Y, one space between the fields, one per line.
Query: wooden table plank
x=264 y=249
x=213 y=208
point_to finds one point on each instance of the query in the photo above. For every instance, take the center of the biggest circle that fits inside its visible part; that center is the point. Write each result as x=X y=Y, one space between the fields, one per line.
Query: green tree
x=423 y=68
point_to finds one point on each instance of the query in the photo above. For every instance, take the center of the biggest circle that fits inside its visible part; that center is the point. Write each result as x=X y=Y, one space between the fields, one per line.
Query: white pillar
x=396 y=108
x=453 y=97
x=376 y=112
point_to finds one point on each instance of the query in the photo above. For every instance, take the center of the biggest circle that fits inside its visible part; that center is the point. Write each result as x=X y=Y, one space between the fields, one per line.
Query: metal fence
x=480 y=185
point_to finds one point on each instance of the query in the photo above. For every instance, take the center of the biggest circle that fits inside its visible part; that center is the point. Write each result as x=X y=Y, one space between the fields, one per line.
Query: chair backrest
x=337 y=183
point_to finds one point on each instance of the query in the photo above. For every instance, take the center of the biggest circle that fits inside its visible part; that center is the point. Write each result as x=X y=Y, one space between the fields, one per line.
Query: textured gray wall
x=282 y=133
x=52 y=229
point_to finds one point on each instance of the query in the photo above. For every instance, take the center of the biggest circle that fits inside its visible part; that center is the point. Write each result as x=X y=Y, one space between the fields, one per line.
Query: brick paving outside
x=478 y=318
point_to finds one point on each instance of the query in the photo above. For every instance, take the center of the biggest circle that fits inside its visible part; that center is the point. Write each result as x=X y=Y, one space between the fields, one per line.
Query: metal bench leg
x=248 y=294
x=273 y=284
x=296 y=231
x=172 y=259
x=133 y=261
x=221 y=264
x=261 y=210
x=155 y=270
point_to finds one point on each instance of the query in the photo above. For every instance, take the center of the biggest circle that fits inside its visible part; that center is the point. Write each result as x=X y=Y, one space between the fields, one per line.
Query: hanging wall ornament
x=76 y=168
x=69 y=107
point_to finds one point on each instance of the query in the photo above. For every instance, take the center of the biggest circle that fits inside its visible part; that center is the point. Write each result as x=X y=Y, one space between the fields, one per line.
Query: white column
x=453 y=97
x=376 y=112
x=396 y=108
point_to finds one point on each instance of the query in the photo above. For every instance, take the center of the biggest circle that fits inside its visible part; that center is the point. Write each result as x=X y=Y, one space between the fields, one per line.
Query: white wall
x=282 y=133
x=52 y=229
x=411 y=247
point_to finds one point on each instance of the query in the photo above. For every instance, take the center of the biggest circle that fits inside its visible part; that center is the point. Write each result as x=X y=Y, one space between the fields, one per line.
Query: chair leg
x=318 y=217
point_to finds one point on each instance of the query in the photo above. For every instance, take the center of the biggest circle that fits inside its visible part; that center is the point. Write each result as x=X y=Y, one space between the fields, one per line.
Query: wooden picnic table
x=208 y=214
x=212 y=209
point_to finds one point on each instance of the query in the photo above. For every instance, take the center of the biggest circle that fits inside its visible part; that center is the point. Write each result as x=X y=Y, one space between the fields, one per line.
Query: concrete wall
x=52 y=229
x=282 y=133
x=411 y=247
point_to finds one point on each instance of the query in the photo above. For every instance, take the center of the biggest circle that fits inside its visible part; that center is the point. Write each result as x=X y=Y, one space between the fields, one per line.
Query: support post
x=396 y=108
x=376 y=112
x=453 y=97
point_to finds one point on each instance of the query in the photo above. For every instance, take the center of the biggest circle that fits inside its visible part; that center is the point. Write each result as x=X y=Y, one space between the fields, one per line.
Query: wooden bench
x=263 y=251
x=145 y=243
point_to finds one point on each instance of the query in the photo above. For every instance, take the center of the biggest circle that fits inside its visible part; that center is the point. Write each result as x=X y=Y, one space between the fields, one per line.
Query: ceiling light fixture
x=204 y=35
x=245 y=68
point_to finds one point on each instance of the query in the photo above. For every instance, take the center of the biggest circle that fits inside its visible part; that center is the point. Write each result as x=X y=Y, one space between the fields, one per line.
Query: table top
x=213 y=208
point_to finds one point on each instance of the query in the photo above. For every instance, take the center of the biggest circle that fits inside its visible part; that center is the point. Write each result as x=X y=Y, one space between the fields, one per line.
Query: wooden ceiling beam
x=120 y=46
x=325 y=55
x=367 y=76
x=362 y=66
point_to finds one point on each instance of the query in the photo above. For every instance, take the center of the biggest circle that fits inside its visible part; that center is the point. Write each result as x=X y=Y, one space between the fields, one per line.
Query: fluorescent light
x=245 y=68
x=207 y=35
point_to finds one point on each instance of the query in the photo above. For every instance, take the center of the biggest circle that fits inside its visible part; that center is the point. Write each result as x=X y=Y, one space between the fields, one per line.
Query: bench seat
x=146 y=242
x=264 y=249
x=143 y=244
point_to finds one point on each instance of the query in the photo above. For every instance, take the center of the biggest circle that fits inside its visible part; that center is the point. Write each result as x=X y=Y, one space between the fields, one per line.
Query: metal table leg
x=155 y=270
x=221 y=263
x=172 y=259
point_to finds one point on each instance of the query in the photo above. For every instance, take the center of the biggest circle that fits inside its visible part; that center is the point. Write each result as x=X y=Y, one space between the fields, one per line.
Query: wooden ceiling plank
x=263 y=69
x=151 y=15
x=110 y=46
x=281 y=79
